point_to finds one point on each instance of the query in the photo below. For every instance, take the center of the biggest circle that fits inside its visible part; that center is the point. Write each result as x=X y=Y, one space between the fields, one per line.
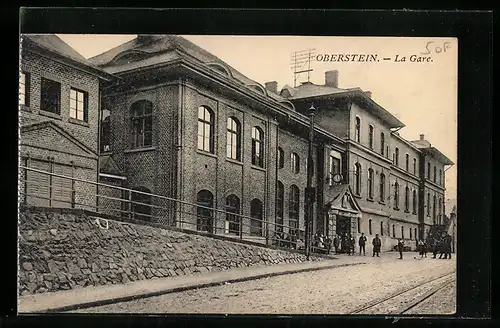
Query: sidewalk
x=97 y=296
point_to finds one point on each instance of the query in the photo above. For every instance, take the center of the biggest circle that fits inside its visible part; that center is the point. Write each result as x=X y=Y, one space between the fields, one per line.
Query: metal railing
x=37 y=188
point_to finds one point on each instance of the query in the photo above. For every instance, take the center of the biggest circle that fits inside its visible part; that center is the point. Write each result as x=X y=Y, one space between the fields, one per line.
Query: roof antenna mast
x=299 y=61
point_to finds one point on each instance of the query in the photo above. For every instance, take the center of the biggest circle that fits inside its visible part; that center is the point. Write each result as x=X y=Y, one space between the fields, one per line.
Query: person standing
x=447 y=246
x=377 y=243
x=421 y=248
x=336 y=244
x=400 y=248
x=352 y=244
x=362 y=243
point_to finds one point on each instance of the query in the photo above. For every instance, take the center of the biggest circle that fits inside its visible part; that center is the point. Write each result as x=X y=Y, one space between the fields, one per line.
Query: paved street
x=333 y=291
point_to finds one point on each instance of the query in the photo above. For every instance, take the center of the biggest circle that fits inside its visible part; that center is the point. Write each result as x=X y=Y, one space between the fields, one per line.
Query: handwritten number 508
x=430 y=47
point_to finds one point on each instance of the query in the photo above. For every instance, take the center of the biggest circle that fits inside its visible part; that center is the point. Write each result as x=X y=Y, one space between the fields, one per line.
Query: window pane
x=206 y=144
x=21 y=99
x=148 y=139
x=148 y=124
x=80 y=96
x=79 y=115
x=72 y=104
x=200 y=112
x=22 y=78
x=200 y=142
x=148 y=108
x=200 y=128
x=72 y=94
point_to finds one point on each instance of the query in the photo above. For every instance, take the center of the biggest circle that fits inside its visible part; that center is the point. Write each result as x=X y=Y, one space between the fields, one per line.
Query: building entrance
x=343 y=231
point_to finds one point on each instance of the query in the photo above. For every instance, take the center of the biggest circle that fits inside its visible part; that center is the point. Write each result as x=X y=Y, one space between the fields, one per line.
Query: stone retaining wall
x=60 y=251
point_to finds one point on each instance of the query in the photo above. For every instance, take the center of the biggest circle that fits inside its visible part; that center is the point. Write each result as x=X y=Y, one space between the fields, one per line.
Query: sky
x=423 y=95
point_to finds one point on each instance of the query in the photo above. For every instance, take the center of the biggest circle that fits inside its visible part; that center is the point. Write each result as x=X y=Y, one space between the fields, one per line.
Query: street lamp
x=310 y=190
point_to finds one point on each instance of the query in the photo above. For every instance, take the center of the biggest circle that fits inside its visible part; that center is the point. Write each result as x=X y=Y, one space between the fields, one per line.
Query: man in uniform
x=362 y=242
x=336 y=243
x=377 y=243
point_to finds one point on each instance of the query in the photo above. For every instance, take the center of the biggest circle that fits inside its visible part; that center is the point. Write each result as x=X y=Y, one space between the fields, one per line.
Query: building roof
x=53 y=44
x=425 y=146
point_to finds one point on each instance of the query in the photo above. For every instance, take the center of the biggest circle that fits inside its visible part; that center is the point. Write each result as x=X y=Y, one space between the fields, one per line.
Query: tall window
x=105 y=130
x=414 y=202
x=407 y=199
x=415 y=166
x=428 y=171
x=382 y=187
x=370 y=136
x=381 y=228
x=440 y=207
x=382 y=143
x=434 y=209
x=141 y=201
x=415 y=231
x=334 y=165
x=428 y=204
x=257 y=146
x=257 y=215
x=142 y=123
x=78 y=105
x=232 y=224
x=293 y=209
x=370 y=183
x=205 y=129
x=281 y=158
x=233 y=146
x=50 y=97
x=402 y=232
x=393 y=231
x=410 y=234
x=204 y=212
x=295 y=163
x=280 y=196
x=435 y=175
x=440 y=177
x=407 y=162
x=359 y=225
x=24 y=89
x=370 y=226
x=357 y=131
x=396 y=196
x=357 y=179
x=396 y=156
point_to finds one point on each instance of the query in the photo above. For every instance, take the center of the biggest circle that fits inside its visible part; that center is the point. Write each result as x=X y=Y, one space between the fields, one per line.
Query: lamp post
x=310 y=190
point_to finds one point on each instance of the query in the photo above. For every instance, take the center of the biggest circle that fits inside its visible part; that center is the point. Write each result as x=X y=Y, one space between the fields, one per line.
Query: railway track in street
x=406 y=299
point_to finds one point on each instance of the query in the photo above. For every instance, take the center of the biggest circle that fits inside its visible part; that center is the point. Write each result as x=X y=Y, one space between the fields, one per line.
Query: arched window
x=370 y=226
x=402 y=232
x=295 y=163
x=232 y=225
x=205 y=129
x=204 y=212
x=396 y=156
x=382 y=187
x=381 y=228
x=414 y=202
x=434 y=209
x=440 y=177
x=280 y=196
x=440 y=208
x=407 y=199
x=357 y=131
x=142 y=124
x=281 y=158
x=357 y=178
x=359 y=225
x=396 y=196
x=370 y=136
x=257 y=146
x=257 y=215
x=141 y=201
x=334 y=165
x=382 y=143
x=415 y=166
x=233 y=147
x=370 y=183
x=105 y=130
x=393 y=231
x=407 y=162
x=428 y=204
x=293 y=209
x=435 y=175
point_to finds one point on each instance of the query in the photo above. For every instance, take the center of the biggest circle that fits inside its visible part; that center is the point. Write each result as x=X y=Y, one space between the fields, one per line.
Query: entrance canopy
x=342 y=202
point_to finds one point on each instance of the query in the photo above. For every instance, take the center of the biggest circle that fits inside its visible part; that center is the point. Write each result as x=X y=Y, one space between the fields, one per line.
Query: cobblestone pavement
x=445 y=301
x=332 y=291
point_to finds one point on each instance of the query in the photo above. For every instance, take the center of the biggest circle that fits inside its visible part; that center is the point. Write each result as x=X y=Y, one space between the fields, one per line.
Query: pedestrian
x=362 y=242
x=435 y=246
x=353 y=245
x=400 y=248
x=336 y=244
x=328 y=245
x=447 y=246
x=377 y=243
x=421 y=248
x=425 y=248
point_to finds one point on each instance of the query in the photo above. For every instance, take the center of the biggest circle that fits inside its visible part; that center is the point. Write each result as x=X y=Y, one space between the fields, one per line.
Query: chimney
x=332 y=79
x=368 y=94
x=272 y=86
x=422 y=137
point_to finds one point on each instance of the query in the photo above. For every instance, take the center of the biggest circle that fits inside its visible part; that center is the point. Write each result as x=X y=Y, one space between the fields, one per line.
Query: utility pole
x=310 y=190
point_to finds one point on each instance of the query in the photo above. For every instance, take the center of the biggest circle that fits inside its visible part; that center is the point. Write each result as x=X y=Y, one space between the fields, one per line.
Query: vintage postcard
x=212 y=174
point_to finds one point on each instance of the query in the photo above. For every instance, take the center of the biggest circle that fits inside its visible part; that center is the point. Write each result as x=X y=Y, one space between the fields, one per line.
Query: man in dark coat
x=362 y=242
x=352 y=243
x=435 y=247
x=336 y=244
x=400 y=248
x=377 y=243
x=447 y=246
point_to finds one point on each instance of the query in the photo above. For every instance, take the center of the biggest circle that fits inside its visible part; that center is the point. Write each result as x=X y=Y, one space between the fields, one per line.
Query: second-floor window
x=357 y=131
x=334 y=165
x=396 y=156
x=370 y=136
x=440 y=177
x=281 y=158
x=407 y=199
x=233 y=146
x=370 y=183
x=415 y=166
x=414 y=202
x=434 y=176
x=205 y=129
x=382 y=187
x=24 y=89
x=142 y=124
x=78 y=105
x=382 y=143
x=257 y=146
x=407 y=162
x=50 y=96
x=428 y=204
x=396 y=196
x=357 y=179
x=428 y=171
x=295 y=163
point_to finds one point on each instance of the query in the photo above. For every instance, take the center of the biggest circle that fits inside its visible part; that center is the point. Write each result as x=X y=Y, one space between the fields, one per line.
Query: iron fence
x=48 y=189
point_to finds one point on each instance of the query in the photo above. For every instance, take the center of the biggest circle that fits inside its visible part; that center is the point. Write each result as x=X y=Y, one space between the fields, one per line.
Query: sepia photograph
x=237 y=174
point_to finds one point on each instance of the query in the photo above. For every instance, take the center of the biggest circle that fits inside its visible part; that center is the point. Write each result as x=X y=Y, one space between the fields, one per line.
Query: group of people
x=440 y=244
x=345 y=243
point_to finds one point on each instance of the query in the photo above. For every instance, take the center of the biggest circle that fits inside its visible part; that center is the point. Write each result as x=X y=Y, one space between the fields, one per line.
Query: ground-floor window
x=204 y=212
x=256 y=214
x=232 y=225
x=141 y=202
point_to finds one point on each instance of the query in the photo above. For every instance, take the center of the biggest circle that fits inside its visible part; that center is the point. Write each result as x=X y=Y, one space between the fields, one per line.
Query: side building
x=59 y=120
